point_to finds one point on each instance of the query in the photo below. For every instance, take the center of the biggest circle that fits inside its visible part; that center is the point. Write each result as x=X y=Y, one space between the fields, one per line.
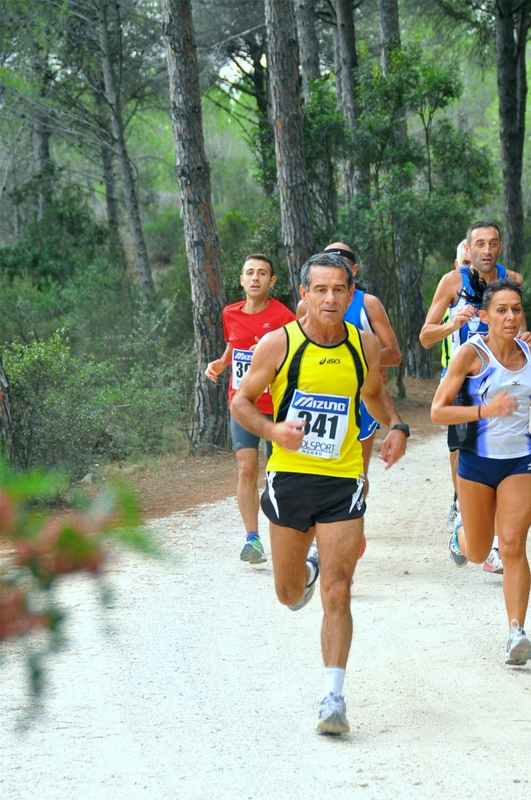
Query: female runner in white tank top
x=486 y=395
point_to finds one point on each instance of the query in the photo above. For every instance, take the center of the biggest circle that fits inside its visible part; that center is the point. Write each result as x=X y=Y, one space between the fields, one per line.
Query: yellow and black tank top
x=321 y=385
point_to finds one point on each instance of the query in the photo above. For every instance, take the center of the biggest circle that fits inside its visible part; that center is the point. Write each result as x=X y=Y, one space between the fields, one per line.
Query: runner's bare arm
x=379 y=403
x=216 y=367
x=443 y=412
x=434 y=330
x=268 y=356
x=390 y=355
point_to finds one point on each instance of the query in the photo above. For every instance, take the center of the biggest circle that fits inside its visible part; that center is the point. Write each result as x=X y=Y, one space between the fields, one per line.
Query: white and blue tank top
x=356 y=313
x=496 y=437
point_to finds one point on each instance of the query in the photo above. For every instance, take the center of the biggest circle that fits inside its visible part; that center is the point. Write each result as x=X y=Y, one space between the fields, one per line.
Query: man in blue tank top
x=367 y=313
x=454 y=310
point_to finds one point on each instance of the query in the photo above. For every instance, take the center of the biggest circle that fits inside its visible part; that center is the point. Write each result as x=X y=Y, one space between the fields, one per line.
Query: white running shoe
x=332 y=715
x=456 y=555
x=452 y=516
x=313 y=557
x=518 y=650
x=493 y=564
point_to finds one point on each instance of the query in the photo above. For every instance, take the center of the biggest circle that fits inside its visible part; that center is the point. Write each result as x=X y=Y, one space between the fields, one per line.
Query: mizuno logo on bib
x=241 y=361
x=326 y=418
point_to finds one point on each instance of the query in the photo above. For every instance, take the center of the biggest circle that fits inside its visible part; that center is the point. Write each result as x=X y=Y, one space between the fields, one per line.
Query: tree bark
x=412 y=309
x=512 y=94
x=389 y=30
x=357 y=178
x=308 y=44
x=390 y=40
x=293 y=186
x=111 y=196
x=6 y=429
x=202 y=244
x=120 y=147
x=41 y=138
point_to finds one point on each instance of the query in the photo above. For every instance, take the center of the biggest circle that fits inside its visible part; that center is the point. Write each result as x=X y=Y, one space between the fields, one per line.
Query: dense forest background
x=403 y=143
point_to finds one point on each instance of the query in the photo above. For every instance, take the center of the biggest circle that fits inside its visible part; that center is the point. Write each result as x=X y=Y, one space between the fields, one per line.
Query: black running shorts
x=296 y=500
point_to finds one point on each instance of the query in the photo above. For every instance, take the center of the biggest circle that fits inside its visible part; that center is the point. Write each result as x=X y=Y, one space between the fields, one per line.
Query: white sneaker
x=493 y=564
x=452 y=516
x=332 y=715
x=456 y=555
x=518 y=649
x=313 y=557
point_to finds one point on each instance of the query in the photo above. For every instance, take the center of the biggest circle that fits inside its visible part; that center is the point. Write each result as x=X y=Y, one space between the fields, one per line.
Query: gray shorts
x=242 y=438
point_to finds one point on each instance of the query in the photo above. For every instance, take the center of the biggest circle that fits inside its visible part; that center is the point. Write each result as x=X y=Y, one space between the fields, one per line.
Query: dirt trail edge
x=196 y=683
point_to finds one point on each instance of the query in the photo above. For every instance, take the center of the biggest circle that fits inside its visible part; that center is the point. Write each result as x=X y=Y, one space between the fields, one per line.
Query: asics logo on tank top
x=326 y=360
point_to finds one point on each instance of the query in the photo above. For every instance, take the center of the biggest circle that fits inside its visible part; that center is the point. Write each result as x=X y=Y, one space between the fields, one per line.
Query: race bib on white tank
x=241 y=361
x=326 y=418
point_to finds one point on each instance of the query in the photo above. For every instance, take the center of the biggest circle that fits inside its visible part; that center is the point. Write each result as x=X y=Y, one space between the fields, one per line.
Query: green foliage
x=427 y=188
x=56 y=422
x=70 y=411
x=242 y=237
x=51 y=246
x=165 y=236
x=326 y=141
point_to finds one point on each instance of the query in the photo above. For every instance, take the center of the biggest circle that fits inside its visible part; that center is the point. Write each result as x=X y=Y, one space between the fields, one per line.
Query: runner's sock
x=252 y=536
x=334 y=680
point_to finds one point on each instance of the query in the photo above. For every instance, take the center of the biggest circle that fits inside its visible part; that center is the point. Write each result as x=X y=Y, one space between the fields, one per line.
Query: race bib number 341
x=326 y=418
x=241 y=361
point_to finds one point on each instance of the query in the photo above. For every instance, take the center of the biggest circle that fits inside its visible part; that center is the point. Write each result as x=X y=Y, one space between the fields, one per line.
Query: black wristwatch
x=401 y=426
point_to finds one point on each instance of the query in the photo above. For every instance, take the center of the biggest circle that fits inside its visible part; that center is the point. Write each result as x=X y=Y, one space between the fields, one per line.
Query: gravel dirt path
x=196 y=683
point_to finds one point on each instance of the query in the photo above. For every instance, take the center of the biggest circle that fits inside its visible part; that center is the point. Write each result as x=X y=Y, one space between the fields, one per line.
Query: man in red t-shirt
x=244 y=324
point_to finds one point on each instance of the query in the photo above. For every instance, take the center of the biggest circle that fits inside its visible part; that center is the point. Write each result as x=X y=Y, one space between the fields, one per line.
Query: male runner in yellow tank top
x=318 y=368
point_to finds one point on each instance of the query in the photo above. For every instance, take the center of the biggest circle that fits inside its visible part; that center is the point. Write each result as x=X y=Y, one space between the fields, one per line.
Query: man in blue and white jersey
x=453 y=313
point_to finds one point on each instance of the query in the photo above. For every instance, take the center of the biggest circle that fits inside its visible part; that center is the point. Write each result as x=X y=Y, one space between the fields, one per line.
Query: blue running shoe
x=453 y=546
x=253 y=550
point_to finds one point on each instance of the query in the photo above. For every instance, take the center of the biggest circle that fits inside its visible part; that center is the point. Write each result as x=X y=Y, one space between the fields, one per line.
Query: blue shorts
x=368 y=425
x=242 y=438
x=491 y=471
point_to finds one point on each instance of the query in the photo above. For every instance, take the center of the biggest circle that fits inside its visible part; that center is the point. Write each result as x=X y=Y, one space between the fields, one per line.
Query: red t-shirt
x=241 y=329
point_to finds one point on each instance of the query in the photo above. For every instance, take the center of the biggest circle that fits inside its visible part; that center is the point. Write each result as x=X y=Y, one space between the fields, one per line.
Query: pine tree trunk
x=202 y=244
x=126 y=171
x=416 y=361
x=293 y=186
x=357 y=177
x=41 y=139
x=512 y=93
x=308 y=44
x=6 y=430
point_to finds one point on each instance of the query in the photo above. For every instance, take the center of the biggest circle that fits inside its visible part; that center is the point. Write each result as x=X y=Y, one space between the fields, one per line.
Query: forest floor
x=193 y=682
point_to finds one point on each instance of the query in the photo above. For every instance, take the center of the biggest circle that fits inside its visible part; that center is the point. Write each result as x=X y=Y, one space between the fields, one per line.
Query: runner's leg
x=247 y=489
x=477 y=502
x=513 y=521
x=339 y=545
x=289 y=548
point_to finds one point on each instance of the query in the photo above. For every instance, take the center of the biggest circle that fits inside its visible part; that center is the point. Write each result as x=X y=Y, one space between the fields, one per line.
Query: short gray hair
x=459 y=253
x=325 y=260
